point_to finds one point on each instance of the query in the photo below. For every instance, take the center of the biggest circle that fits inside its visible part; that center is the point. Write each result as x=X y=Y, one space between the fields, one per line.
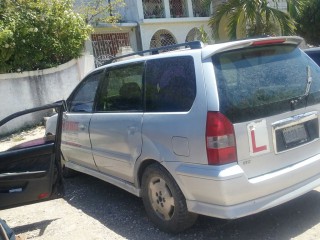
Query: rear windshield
x=263 y=81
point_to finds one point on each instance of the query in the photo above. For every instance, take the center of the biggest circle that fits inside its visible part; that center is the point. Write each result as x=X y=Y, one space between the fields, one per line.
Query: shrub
x=308 y=24
x=38 y=34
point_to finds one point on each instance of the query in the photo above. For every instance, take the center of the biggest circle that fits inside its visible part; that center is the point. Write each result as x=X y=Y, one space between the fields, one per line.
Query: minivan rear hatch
x=271 y=94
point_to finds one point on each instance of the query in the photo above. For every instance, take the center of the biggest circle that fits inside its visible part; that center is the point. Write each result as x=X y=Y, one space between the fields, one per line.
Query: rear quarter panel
x=178 y=136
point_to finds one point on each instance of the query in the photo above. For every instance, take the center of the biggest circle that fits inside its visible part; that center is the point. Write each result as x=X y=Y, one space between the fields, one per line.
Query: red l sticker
x=256 y=149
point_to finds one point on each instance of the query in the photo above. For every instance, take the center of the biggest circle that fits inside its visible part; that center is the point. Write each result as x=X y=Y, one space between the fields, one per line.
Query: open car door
x=30 y=169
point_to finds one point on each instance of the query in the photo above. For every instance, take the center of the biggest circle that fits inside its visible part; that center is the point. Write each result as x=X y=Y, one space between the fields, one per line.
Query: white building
x=150 y=23
x=281 y=5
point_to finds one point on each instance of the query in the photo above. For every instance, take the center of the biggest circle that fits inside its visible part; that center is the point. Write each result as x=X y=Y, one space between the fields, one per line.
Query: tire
x=164 y=202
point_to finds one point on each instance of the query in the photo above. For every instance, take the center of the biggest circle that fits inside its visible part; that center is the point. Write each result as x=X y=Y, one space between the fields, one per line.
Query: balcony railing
x=178 y=8
x=201 y=8
x=153 y=8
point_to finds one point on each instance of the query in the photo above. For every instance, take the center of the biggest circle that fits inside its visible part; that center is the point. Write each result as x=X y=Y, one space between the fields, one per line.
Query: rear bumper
x=252 y=206
x=226 y=192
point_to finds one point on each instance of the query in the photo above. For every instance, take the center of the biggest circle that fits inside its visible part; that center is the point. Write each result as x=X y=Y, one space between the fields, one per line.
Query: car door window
x=170 y=84
x=83 y=98
x=122 y=89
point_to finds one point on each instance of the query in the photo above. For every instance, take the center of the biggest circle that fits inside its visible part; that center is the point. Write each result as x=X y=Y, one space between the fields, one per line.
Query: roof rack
x=191 y=45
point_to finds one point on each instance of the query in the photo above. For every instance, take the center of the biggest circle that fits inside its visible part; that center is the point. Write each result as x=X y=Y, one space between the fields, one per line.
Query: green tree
x=100 y=10
x=294 y=7
x=308 y=23
x=204 y=37
x=37 y=34
x=257 y=17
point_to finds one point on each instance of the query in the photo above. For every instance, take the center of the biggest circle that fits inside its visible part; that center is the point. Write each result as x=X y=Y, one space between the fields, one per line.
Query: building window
x=201 y=8
x=162 y=38
x=178 y=8
x=153 y=8
x=281 y=5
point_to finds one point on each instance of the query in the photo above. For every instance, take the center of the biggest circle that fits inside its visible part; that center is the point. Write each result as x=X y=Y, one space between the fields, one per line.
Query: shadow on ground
x=37 y=226
x=124 y=214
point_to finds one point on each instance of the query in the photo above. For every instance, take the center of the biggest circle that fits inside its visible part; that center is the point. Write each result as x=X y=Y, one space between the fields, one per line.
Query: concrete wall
x=130 y=12
x=20 y=91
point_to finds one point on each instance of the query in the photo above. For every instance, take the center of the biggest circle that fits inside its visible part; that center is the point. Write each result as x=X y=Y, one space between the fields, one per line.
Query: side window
x=122 y=89
x=315 y=57
x=170 y=84
x=83 y=98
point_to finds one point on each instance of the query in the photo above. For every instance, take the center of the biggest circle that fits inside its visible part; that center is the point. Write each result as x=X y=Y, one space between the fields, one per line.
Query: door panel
x=29 y=168
x=116 y=142
x=115 y=127
x=76 y=145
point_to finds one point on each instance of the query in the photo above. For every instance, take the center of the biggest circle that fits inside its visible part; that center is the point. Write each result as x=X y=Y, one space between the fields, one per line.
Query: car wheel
x=164 y=202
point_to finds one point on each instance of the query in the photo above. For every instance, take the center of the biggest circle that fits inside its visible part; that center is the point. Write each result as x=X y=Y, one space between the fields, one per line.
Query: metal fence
x=178 y=8
x=153 y=8
x=162 y=38
x=107 y=45
x=201 y=8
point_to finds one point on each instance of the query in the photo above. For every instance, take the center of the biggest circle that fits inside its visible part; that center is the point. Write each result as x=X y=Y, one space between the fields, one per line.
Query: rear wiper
x=309 y=81
x=306 y=94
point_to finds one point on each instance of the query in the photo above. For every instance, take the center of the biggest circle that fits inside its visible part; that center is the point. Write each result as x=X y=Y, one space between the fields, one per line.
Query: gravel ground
x=93 y=209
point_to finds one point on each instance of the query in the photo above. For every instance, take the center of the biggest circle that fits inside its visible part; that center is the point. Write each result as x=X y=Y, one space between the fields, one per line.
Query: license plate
x=295 y=134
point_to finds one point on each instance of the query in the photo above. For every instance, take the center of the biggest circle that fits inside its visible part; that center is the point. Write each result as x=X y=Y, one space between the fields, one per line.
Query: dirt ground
x=93 y=209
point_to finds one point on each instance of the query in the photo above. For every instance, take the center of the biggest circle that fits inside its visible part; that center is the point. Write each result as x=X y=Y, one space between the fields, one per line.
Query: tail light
x=220 y=139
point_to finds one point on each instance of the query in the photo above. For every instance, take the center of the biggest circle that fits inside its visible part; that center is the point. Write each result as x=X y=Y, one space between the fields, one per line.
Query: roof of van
x=210 y=50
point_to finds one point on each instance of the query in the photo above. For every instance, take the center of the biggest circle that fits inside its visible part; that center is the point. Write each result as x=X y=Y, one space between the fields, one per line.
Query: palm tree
x=295 y=7
x=258 y=17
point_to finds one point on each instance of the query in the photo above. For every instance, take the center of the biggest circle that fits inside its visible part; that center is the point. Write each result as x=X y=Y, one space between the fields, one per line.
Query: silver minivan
x=224 y=130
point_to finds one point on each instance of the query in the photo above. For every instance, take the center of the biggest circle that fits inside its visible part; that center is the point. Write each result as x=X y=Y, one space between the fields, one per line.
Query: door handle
x=132 y=130
x=82 y=127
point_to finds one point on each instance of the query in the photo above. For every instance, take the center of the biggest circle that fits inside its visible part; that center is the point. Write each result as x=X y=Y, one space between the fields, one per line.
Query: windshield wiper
x=306 y=94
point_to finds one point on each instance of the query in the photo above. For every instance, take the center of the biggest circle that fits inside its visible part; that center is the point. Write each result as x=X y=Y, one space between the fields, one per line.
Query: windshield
x=260 y=82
